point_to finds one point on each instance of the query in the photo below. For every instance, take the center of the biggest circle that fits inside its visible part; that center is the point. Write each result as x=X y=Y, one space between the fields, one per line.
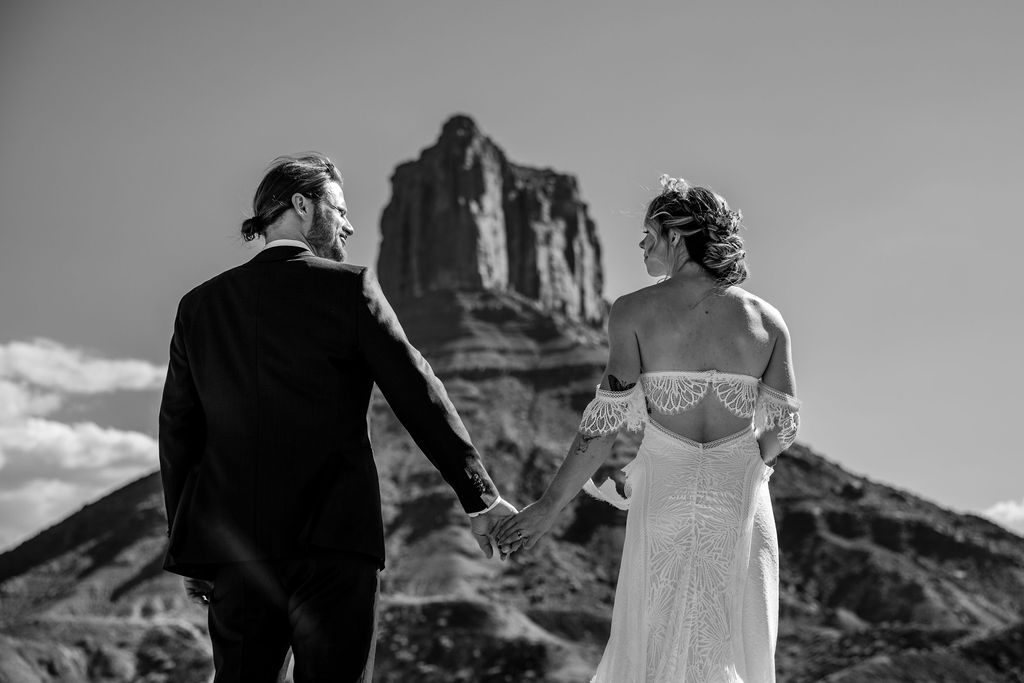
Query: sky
x=874 y=148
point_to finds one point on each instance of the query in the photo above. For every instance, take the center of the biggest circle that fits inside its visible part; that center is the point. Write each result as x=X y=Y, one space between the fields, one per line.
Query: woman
x=705 y=369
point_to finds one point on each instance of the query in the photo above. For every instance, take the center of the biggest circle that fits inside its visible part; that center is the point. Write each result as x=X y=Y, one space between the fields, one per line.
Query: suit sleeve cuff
x=486 y=509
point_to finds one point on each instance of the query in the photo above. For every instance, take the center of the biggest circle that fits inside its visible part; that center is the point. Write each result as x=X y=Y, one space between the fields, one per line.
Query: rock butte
x=462 y=217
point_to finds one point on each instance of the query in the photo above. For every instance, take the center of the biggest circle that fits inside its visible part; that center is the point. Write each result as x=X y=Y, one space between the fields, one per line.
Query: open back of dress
x=697 y=594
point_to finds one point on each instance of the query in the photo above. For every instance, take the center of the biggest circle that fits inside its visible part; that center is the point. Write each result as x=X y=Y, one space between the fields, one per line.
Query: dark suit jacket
x=264 y=447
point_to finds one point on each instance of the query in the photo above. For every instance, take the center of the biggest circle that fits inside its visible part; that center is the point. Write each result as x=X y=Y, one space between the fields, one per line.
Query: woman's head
x=685 y=223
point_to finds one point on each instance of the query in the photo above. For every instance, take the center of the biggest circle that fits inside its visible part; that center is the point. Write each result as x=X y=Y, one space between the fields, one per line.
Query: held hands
x=483 y=526
x=524 y=529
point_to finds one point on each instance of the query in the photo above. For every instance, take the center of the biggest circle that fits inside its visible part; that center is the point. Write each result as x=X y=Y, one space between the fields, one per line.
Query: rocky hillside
x=877 y=584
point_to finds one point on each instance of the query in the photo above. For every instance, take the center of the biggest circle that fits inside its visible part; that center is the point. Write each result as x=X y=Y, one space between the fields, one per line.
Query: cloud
x=1008 y=513
x=19 y=400
x=80 y=446
x=34 y=506
x=48 y=365
x=49 y=469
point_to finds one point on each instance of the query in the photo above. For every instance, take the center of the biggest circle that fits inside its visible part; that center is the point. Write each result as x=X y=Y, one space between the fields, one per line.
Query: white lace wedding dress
x=697 y=595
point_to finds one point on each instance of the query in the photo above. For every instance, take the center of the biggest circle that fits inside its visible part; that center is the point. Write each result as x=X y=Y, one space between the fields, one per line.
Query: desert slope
x=877 y=583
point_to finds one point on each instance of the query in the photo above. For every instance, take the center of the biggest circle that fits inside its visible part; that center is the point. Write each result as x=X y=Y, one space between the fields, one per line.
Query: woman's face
x=655 y=252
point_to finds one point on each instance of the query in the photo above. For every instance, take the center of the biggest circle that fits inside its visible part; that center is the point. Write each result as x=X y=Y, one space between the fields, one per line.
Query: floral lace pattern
x=693 y=601
x=776 y=409
x=611 y=410
x=697 y=595
x=673 y=392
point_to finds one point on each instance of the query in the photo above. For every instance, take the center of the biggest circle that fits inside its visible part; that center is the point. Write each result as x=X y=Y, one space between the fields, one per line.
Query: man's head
x=300 y=198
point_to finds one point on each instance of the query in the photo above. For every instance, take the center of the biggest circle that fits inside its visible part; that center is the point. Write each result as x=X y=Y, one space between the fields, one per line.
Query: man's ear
x=301 y=205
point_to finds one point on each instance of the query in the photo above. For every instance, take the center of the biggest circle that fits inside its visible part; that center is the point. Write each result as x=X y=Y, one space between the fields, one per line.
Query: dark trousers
x=323 y=605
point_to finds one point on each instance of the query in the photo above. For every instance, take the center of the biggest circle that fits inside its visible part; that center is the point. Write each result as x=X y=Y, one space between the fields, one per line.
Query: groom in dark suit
x=269 y=478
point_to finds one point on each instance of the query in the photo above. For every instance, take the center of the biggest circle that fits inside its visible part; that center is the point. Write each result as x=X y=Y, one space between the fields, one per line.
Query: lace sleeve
x=607 y=493
x=776 y=409
x=611 y=410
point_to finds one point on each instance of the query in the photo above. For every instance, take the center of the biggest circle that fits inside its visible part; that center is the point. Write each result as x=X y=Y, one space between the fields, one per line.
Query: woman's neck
x=691 y=274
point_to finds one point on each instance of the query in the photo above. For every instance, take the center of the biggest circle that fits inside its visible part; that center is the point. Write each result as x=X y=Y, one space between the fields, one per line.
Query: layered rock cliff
x=464 y=218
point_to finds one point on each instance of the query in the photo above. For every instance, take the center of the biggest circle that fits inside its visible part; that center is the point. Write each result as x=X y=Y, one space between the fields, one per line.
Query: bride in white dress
x=705 y=369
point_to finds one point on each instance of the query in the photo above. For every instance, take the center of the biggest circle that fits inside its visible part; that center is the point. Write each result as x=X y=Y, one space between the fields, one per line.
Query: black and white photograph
x=472 y=342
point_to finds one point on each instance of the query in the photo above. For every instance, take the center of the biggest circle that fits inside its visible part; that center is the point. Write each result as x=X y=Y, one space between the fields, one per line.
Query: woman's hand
x=525 y=528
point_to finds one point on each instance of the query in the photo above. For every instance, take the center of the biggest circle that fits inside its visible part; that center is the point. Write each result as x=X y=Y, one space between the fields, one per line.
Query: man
x=269 y=479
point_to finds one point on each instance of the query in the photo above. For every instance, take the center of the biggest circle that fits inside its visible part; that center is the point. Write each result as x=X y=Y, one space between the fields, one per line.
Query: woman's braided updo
x=709 y=227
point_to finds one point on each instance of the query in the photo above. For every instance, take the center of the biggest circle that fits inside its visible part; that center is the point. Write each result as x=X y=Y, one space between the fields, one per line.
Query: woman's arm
x=779 y=376
x=588 y=451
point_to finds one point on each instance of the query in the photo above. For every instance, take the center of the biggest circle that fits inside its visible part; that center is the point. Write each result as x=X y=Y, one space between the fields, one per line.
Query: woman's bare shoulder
x=768 y=315
x=636 y=301
x=633 y=305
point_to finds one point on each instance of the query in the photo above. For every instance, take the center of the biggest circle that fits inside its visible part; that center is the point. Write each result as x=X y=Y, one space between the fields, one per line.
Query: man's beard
x=323 y=240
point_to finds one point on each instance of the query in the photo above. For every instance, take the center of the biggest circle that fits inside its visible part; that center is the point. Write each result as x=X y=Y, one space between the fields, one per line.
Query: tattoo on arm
x=479 y=485
x=616 y=384
x=584 y=444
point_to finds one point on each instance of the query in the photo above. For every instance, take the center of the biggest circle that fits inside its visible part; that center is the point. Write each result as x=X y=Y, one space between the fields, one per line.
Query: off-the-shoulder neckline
x=701 y=374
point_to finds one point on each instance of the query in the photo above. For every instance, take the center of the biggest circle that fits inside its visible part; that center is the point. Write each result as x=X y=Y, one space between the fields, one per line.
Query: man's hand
x=199 y=591
x=481 y=525
x=526 y=528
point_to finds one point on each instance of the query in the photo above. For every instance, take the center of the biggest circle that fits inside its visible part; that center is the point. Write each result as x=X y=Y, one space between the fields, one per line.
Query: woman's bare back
x=678 y=328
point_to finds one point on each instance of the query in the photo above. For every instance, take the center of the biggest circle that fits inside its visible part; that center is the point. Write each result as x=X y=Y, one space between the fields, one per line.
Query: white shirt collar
x=286 y=243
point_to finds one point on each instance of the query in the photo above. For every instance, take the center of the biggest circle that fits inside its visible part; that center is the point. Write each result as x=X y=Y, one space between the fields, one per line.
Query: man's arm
x=182 y=423
x=418 y=398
